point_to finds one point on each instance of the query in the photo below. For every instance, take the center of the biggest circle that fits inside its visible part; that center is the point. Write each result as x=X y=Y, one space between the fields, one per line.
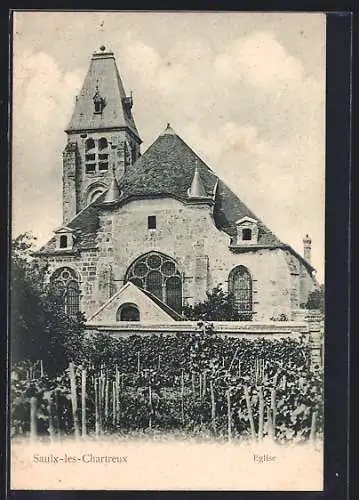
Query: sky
x=246 y=91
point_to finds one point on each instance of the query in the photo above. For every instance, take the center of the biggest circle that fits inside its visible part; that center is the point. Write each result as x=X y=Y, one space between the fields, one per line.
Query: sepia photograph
x=167 y=251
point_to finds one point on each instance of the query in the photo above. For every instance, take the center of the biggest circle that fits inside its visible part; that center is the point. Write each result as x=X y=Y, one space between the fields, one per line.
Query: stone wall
x=187 y=234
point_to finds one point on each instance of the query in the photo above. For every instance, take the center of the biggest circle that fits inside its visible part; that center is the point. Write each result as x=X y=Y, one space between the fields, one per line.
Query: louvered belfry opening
x=66 y=283
x=158 y=274
x=240 y=285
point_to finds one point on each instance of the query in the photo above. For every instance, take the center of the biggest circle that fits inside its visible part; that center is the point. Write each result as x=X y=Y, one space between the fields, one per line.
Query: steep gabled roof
x=166 y=169
x=102 y=77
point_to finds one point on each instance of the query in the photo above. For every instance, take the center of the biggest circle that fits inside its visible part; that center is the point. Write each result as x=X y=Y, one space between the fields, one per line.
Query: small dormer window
x=64 y=238
x=63 y=241
x=246 y=234
x=247 y=231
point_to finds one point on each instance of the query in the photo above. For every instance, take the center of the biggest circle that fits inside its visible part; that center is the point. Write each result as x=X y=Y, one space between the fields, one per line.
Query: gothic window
x=174 y=292
x=63 y=241
x=128 y=312
x=159 y=275
x=154 y=283
x=66 y=284
x=240 y=285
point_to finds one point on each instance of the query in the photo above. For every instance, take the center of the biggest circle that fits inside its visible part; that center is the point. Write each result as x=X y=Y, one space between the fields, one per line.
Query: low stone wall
x=309 y=323
x=232 y=328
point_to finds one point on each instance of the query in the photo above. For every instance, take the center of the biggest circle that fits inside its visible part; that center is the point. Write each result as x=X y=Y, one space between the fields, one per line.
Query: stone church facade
x=144 y=234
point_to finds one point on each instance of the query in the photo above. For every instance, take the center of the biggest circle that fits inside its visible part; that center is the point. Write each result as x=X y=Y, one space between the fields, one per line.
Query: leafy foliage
x=154 y=372
x=316 y=299
x=40 y=329
x=219 y=306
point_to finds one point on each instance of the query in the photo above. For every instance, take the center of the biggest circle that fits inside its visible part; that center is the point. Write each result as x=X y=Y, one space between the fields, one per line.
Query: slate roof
x=103 y=75
x=167 y=169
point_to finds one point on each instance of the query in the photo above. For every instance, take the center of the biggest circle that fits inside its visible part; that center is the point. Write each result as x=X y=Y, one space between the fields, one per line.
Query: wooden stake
x=229 y=416
x=138 y=364
x=193 y=385
x=41 y=368
x=51 y=421
x=74 y=399
x=150 y=404
x=200 y=386
x=274 y=411
x=182 y=396
x=118 y=397
x=159 y=362
x=269 y=422
x=213 y=406
x=260 y=413
x=313 y=426
x=113 y=404
x=83 y=402
x=33 y=420
x=204 y=383
x=97 y=418
x=106 y=400
x=239 y=368
x=250 y=414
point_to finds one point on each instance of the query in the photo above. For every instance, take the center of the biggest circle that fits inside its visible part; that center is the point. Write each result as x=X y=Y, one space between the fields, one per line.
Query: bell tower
x=101 y=137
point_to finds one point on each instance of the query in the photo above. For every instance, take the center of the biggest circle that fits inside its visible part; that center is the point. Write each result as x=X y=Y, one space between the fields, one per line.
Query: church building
x=144 y=234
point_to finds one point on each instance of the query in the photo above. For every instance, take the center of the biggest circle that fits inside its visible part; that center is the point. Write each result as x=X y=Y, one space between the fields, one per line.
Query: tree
x=219 y=306
x=40 y=329
x=316 y=299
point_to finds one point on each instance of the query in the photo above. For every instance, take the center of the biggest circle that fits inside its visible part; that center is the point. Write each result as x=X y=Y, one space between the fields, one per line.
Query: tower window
x=63 y=241
x=90 y=168
x=103 y=166
x=246 y=234
x=151 y=222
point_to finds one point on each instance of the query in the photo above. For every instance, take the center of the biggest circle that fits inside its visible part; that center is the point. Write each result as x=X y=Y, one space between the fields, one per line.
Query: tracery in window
x=66 y=283
x=158 y=274
x=240 y=285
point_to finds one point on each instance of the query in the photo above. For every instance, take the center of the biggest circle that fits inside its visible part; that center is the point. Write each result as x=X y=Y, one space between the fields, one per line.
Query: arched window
x=94 y=191
x=174 y=293
x=66 y=284
x=128 y=312
x=158 y=274
x=240 y=285
x=90 y=155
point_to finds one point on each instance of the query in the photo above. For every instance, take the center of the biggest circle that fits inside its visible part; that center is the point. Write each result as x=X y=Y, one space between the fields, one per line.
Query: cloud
x=41 y=107
x=261 y=59
x=249 y=109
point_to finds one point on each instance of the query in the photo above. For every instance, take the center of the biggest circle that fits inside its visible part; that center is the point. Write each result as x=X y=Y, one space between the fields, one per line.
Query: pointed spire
x=197 y=189
x=103 y=81
x=113 y=193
